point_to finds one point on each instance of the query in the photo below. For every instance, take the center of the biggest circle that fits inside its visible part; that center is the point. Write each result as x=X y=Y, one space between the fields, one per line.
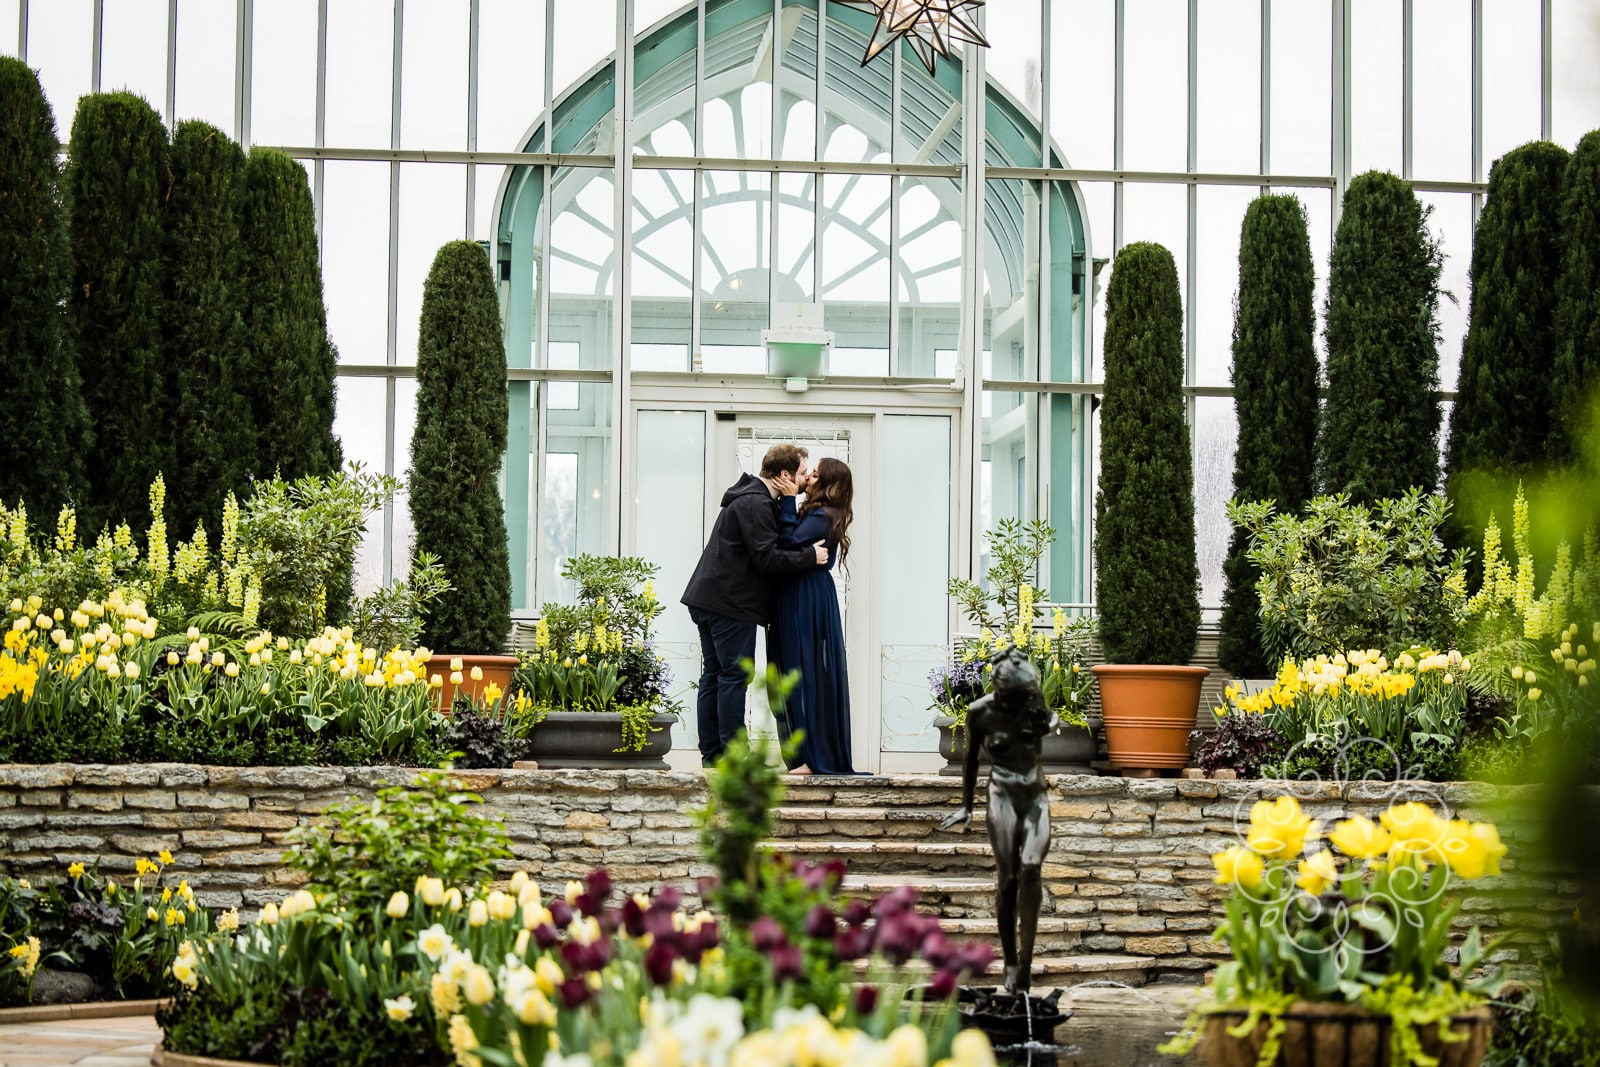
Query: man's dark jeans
x=724 y=643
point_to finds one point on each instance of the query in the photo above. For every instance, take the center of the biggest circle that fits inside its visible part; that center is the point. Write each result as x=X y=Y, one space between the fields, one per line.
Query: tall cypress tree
x=1275 y=395
x=1500 y=427
x=1575 y=379
x=292 y=360
x=462 y=411
x=212 y=437
x=43 y=426
x=1147 y=578
x=1379 y=433
x=116 y=178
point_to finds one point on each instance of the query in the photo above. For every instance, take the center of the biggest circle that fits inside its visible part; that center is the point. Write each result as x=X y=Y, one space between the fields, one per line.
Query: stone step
x=1068 y=970
x=950 y=898
x=906 y=856
x=870 y=822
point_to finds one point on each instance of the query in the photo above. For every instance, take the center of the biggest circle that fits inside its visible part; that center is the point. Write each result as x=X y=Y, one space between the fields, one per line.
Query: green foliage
x=294 y=538
x=617 y=592
x=480 y=736
x=1147 y=578
x=290 y=356
x=462 y=409
x=744 y=789
x=391 y=616
x=1505 y=405
x=116 y=180
x=1346 y=575
x=364 y=850
x=1575 y=374
x=43 y=424
x=213 y=439
x=1015 y=549
x=1275 y=394
x=1379 y=434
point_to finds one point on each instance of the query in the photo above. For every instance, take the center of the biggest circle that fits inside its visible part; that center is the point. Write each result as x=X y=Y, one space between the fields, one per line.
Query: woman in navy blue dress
x=807 y=634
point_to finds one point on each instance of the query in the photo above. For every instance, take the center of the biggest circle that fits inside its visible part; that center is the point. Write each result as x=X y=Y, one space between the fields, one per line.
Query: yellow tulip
x=1279 y=829
x=1318 y=873
x=477 y=913
x=1489 y=835
x=1415 y=830
x=1360 y=838
x=1238 y=866
x=399 y=905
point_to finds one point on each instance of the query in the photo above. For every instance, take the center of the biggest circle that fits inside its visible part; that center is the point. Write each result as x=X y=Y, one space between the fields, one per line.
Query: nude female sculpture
x=1012 y=721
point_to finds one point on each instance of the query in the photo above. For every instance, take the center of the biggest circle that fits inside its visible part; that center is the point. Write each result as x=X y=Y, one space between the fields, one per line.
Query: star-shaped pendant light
x=930 y=27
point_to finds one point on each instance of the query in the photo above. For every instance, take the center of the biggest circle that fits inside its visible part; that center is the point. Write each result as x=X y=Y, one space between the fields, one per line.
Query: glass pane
x=663 y=111
x=355 y=258
x=855 y=271
x=1099 y=200
x=663 y=249
x=1220 y=216
x=929 y=275
x=1070 y=495
x=133 y=48
x=61 y=49
x=1377 y=86
x=9 y=10
x=1441 y=125
x=735 y=253
x=797 y=81
x=575 y=516
x=797 y=260
x=207 y=46
x=1155 y=117
x=1230 y=86
x=360 y=73
x=581 y=277
x=1575 y=77
x=1302 y=87
x=510 y=72
x=1083 y=82
x=1006 y=478
x=669 y=525
x=486 y=192
x=1215 y=433
x=1319 y=224
x=1511 y=46
x=916 y=613
x=586 y=33
x=1015 y=61
x=1159 y=213
x=1451 y=223
x=1011 y=274
x=432 y=208
x=403 y=532
x=854 y=96
x=358 y=418
x=283 y=74
x=433 y=75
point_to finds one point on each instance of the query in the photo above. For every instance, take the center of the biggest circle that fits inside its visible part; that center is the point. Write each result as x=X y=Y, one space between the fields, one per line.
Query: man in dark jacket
x=729 y=595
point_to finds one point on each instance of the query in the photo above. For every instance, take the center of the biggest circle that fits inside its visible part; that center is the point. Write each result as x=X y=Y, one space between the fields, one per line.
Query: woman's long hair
x=834 y=488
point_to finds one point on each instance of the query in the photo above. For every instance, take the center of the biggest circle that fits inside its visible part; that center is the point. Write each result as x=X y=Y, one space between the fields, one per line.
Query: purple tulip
x=857 y=912
x=766 y=934
x=575 y=992
x=820 y=923
x=943 y=986
x=658 y=961
x=560 y=913
x=787 y=963
x=866 y=999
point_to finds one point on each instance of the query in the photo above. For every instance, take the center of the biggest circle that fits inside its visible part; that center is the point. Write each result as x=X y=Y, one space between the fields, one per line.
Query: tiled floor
x=90 y=1042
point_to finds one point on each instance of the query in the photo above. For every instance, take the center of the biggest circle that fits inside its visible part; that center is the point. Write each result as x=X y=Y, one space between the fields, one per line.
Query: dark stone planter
x=1069 y=750
x=1341 y=1035
x=590 y=739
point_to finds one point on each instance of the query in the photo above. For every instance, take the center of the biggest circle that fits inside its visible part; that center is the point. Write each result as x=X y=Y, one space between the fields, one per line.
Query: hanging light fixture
x=930 y=27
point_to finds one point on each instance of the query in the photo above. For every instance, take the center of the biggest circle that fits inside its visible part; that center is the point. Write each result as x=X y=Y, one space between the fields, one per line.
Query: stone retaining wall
x=1129 y=868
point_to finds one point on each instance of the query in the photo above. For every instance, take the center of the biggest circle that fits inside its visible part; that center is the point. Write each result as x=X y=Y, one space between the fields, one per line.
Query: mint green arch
x=665 y=55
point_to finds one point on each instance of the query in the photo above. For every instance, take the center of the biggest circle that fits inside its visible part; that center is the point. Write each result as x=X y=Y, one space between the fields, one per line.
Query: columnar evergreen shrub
x=1147 y=577
x=116 y=178
x=1275 y=394
x=1500 y=426
x=462 y=410
x=1576 y=374
x=42 y=421
x=1380 y=426
x=292 y=359
x=213 y=440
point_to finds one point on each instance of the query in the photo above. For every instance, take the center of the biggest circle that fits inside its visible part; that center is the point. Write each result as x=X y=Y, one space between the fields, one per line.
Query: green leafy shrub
x=391 y=616
x=44 y=427
x=462 y=410
x=367 y=848
x=1147 y=579
x=1379 y=433
x=116 y=178
x=1348 y=575
x=1275 y=395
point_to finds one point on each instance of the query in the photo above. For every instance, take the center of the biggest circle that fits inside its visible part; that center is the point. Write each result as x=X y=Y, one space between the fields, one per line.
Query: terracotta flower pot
x=1149 y=712
x=1341 y=1035
x=496 y=669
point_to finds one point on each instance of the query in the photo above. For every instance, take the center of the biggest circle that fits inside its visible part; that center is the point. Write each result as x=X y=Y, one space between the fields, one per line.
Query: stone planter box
x=572 y=739
x=1069 y=750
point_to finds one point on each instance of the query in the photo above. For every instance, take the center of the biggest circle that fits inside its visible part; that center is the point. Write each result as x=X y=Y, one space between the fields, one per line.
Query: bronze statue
x=1012 y=721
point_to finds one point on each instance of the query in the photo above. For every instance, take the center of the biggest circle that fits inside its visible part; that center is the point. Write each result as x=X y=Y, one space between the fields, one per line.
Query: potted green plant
x=1005 y=614
x=1146 y=574
x=1338 y=956
x=593 y=690
x=462 y=412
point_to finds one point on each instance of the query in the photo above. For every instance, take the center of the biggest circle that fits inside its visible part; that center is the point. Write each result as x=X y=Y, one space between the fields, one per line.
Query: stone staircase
x=887 y=831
